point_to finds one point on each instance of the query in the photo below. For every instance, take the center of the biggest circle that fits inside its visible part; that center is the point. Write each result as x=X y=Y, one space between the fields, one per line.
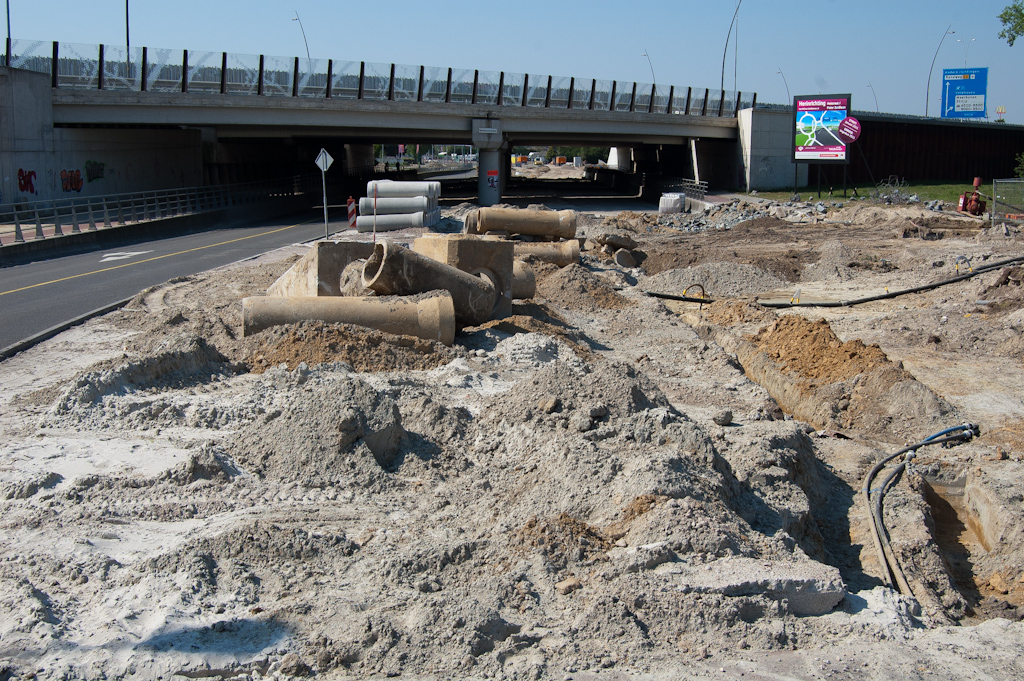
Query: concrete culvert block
x=318 y=272
x=394 y=270
x=483 y=257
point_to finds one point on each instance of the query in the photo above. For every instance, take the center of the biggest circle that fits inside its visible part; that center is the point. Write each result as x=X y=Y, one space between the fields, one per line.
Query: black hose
x=889 y=564
x=858 y=301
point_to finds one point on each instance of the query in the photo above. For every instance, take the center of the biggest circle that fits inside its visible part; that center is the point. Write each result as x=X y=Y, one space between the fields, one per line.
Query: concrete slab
x=318 y=273
x=477 y=255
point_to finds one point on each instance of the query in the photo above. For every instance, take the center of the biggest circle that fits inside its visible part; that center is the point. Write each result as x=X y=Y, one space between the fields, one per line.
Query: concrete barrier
x=431 y=318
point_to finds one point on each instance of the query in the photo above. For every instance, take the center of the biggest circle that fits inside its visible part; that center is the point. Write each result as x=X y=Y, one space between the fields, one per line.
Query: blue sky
x=823 y=47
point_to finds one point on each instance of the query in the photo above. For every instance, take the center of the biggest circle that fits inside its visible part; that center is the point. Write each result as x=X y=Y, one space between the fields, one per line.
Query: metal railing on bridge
x=36 y=220
x=109 y=67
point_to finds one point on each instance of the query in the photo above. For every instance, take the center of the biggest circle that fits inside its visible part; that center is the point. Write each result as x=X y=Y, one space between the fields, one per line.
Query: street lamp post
x=967 y=47
x=127 y=31
x=788 y=97
x=652 y=67
x=7 y=62
x=928 y=90
x=308 y=60
x=875 y=96
x=727 y=36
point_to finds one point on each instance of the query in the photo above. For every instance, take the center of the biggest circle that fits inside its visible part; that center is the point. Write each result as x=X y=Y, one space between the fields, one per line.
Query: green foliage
x=1013 y=21
x=1020 y=165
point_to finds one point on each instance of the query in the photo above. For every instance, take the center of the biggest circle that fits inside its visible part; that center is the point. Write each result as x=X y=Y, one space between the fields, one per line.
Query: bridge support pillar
x=623 y=159
x=493 y=166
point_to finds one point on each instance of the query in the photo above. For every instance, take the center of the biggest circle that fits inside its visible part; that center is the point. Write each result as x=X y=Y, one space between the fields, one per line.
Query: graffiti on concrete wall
x=94 y=170
x=71 y=180
x=26 y=181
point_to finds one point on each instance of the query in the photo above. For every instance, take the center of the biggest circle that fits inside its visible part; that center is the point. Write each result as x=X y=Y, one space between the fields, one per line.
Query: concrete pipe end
x=524 y=281
x=374 y=267
x=439 y=313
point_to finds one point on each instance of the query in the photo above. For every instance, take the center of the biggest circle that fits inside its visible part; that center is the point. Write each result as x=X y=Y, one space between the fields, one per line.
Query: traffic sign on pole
x=323 y=162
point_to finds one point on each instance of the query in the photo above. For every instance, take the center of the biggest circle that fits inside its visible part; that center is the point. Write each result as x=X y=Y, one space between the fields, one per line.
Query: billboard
x=820 y=134
x=964 y=92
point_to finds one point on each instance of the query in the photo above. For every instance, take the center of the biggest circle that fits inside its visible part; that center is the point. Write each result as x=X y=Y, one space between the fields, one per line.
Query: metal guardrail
x=37 y=220
x=694 y=189
x=109 y=67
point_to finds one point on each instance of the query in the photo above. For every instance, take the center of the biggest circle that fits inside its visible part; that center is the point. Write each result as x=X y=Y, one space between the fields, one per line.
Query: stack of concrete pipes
x=390 y=205
x=553 y=232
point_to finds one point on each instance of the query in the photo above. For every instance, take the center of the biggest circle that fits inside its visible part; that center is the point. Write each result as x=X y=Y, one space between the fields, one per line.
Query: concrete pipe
x=561 y=224
x=390 y=189
x=389 y=223
x=393 y=206
x=559 y=253
x=431 y=318
x=394 y=270
x=524 y=282
x=470 y=222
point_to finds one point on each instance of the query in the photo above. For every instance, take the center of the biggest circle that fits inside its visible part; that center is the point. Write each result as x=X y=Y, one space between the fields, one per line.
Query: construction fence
x=1007 y=201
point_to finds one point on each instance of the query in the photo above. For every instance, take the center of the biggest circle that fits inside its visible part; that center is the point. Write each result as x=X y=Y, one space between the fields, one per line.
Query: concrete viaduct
x=128 y=123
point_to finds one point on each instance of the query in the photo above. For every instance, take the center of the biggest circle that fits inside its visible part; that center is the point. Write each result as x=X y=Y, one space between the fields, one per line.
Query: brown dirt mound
x=560 y=536
x=363 y=349
x=726 y=313
x=812 y=350
x=575 y=288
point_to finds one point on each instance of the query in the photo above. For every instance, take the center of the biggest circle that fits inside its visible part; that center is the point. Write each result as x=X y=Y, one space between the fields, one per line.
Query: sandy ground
x=606 y=485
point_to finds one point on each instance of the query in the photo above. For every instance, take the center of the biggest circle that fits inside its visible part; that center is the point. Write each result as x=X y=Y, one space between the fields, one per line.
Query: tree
x=1020 y=165
x=1013 y=21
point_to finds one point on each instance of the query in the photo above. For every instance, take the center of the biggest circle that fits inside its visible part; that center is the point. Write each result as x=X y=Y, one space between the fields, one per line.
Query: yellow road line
x=158 y=257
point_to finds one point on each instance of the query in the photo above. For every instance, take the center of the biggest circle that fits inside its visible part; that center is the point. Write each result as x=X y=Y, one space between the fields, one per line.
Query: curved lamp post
x=727 y=36
x=655 y=80
x=928 y=90
x=308 y=60
x=789 y=99
x=875 y=96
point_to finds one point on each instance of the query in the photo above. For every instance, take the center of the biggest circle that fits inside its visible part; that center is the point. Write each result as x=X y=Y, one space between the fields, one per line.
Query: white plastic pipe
x=389 y=223
x=394 y=205
x=393 y=189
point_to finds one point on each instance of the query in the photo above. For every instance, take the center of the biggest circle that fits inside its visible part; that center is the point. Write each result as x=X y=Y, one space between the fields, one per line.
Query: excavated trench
x=967 y=527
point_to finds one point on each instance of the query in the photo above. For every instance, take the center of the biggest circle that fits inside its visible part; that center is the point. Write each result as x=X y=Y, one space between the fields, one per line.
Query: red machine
x=972 y=203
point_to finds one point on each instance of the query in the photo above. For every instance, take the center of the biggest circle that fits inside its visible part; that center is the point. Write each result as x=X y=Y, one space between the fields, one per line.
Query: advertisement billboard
x=964 y=92
x=820 y=134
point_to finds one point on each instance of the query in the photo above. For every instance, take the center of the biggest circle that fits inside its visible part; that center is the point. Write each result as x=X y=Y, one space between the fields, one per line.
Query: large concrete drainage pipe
x=430 y=318
x=524 y=282
x=561 y=253
x=394 y=270
x=561 y=224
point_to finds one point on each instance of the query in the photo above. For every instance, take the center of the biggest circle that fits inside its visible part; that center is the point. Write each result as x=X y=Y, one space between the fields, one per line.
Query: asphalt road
x=37 y=296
